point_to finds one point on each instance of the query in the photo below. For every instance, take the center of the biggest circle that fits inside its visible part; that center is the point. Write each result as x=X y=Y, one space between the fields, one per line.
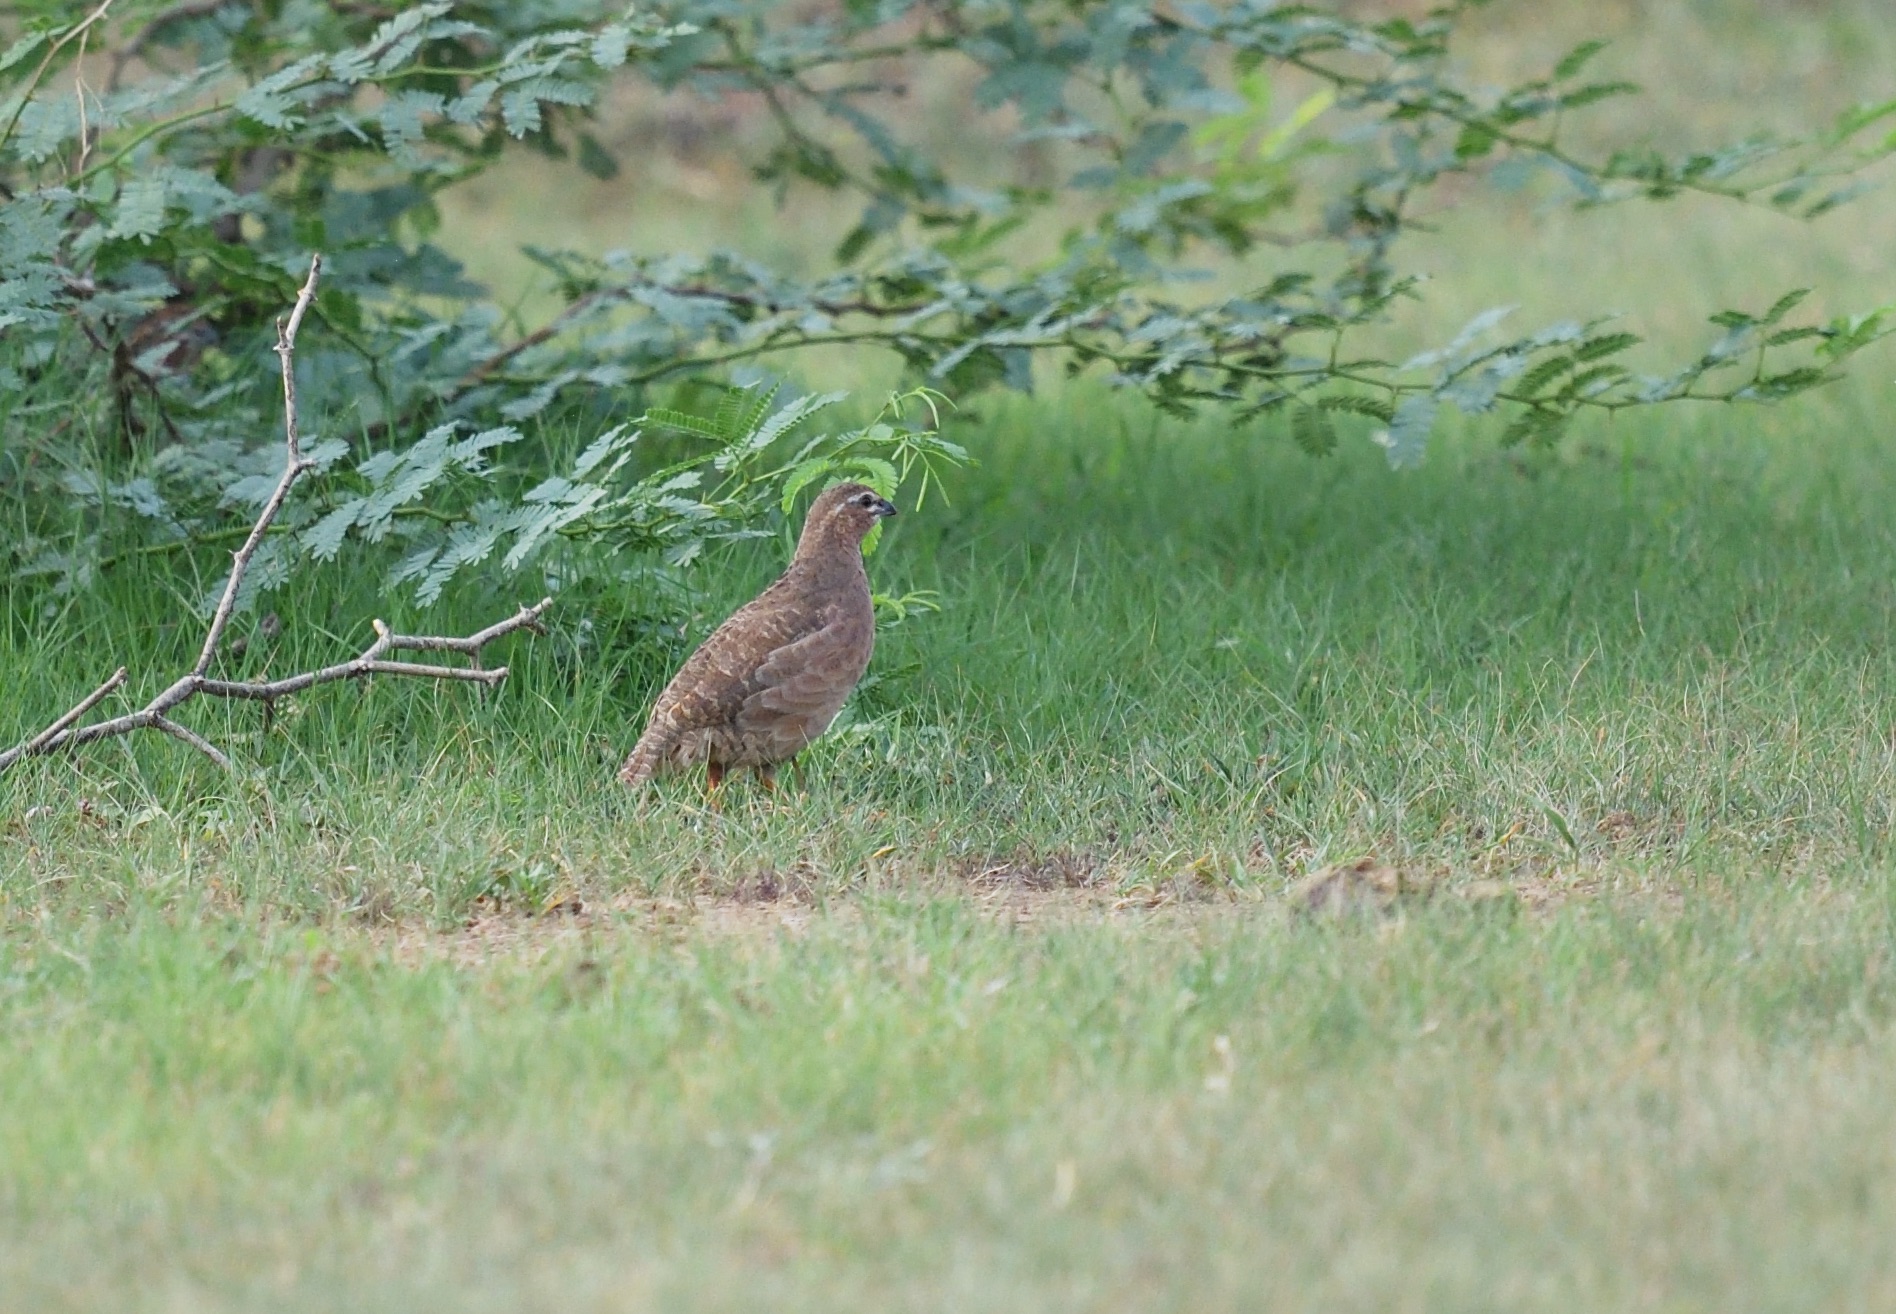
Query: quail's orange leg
x=713 y=782
x=767 y=777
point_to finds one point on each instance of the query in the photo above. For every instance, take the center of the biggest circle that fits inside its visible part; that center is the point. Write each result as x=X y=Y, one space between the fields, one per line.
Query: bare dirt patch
x=1022 y=888
x=508 y=934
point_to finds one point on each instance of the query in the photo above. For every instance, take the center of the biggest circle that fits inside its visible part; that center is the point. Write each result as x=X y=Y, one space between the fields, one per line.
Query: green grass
x=850 y=1053
x=913 y=1107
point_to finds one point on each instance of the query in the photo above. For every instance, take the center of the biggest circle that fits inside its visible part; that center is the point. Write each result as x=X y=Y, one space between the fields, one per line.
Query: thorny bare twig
x=79 y=89
x=25 y=97
x=66 y=732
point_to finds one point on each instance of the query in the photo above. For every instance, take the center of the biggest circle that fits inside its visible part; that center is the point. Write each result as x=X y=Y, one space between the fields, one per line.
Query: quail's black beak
x=884 y=508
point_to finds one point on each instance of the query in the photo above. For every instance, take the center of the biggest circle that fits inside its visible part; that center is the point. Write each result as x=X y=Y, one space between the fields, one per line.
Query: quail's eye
x=866 y=500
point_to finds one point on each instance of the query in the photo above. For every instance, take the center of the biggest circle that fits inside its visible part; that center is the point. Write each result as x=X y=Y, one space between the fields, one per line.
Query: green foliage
x=437 y=496
x=159 y=214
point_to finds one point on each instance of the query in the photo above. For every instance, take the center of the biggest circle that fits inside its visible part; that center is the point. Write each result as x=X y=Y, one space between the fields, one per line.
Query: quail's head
x=846 y=513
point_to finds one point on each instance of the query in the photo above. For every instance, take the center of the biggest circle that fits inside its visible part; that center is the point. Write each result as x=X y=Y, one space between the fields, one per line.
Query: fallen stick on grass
x=66 y=732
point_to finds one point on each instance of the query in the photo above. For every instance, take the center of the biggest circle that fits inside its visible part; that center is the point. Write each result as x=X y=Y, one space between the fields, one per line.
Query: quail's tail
x=642 y=763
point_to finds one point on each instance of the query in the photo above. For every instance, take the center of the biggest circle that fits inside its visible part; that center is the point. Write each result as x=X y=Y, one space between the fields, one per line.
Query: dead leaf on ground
x=1490 y=893
x=1062 y=869
x=1617 y=825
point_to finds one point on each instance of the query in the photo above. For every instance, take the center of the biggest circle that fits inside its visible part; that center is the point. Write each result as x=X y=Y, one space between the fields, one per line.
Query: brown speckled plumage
x=772 y=677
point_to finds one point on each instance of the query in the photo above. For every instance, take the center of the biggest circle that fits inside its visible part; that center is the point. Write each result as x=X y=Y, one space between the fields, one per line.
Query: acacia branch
x=582 y=305
x=577 y=307
x=66 y=732
x=135 y=47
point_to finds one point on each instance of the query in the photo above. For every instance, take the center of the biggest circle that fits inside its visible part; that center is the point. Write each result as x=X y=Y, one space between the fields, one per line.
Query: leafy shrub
x=162 y=197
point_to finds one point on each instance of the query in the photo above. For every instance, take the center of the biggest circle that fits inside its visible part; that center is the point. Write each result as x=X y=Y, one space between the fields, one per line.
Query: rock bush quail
x=772 y=677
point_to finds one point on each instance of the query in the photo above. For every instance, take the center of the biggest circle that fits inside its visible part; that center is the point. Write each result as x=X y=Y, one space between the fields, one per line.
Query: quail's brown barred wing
x=713 y=685
x=802 y=686
x=773 y=676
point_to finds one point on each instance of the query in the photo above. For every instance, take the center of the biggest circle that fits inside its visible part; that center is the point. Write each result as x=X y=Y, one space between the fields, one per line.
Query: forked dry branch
x=66 y=732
